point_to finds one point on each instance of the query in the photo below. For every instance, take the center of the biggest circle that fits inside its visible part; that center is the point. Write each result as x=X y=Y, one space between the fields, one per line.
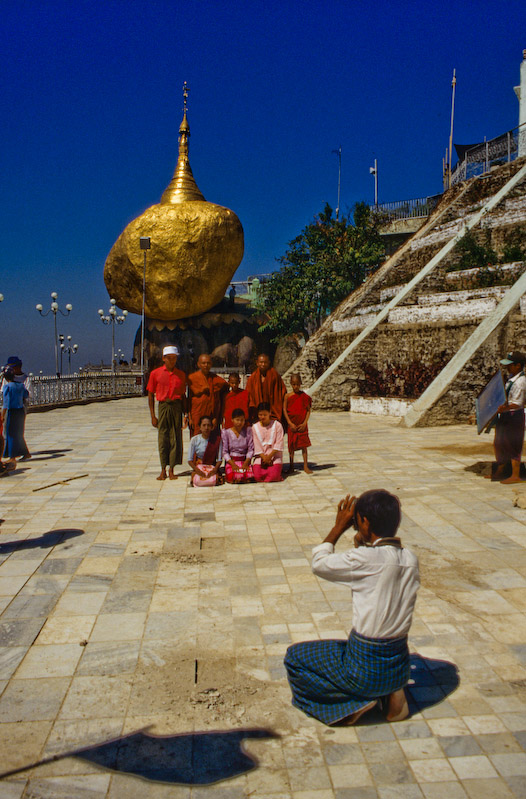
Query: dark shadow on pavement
x=45 y=541
x=299 y=468
x=486 y=468
x=200 y=758
x=17 y=471
x=431 y=682
x=53 y=453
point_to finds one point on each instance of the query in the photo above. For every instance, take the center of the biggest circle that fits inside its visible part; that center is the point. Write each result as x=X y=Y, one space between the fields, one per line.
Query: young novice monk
x=339 y=681
x=204 y=455
x=296 y=409
x=238 y=449
x=268 y=446
x=236 y=398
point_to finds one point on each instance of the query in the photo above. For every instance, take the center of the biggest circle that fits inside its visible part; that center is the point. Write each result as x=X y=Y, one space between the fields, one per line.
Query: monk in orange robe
x=265 y=385
x=206 y=393
x=236 y=398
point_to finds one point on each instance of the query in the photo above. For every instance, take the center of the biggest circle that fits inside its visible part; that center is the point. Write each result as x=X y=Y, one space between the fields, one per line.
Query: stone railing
x=52 y=391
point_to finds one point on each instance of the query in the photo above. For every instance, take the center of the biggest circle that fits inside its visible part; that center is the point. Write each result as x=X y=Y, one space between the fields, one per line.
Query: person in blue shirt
x=13 y=417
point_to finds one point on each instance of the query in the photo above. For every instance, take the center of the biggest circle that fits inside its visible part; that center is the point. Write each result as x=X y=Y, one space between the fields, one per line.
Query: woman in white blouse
x=268 y=446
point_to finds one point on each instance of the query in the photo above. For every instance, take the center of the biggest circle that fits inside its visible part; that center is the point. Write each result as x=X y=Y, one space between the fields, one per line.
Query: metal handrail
x=481 y=157
x=417 y=208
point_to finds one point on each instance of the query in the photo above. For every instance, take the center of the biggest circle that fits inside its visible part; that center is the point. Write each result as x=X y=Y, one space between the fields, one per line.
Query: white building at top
x=520 y=91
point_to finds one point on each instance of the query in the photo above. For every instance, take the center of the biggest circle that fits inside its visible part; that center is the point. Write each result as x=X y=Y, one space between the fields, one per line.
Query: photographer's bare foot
x=397 y=707
x=353 y=718
x=162 y=476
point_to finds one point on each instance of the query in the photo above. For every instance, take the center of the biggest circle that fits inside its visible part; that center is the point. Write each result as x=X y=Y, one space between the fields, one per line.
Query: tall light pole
x=112 y=319
x=70 y=349
x=55 y=310
x=338 y=152
x=145 y=244
x=453 y=87
x=373 y=170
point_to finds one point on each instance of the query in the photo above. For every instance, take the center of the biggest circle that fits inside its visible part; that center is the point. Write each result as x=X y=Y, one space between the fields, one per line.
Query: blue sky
x=91 y=99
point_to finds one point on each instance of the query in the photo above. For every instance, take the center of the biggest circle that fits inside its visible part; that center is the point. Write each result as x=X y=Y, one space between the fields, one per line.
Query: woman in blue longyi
x=13 y=416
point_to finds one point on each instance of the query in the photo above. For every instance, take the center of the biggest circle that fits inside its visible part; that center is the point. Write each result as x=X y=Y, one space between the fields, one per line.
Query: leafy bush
x=514 y=246
x=394 y=380
x=474 y=255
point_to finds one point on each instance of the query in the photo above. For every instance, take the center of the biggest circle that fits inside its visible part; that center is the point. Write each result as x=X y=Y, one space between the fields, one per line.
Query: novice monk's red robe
x=298 y=405
x=271 y=390
x=233 y=401
x=210 y=404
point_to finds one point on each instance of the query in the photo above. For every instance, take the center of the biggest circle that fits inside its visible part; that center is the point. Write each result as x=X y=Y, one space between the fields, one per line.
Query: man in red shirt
x=167 y=384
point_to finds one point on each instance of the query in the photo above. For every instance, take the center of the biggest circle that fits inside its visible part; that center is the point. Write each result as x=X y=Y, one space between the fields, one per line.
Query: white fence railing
x=407 y=209
x=479 y=159
x=82 y=388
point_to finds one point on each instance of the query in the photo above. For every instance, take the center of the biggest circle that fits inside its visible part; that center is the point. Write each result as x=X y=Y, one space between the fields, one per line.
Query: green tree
x=325 y=263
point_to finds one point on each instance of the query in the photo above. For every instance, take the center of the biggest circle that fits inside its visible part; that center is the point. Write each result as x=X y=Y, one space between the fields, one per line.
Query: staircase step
x=471 y=309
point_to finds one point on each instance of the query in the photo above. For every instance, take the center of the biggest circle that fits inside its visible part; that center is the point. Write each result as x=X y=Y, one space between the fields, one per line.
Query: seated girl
x=204 y=455
x=268 y=446
x=238 y=449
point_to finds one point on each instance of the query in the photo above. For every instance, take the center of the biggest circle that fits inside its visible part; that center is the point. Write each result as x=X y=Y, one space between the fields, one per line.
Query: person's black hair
x=206 y=416
x=264 y=406
x=382 y=509
x=9 y=375
x=237 y=412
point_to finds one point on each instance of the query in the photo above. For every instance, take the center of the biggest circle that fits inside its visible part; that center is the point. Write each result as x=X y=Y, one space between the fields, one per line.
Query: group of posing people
x=243 y=427
x=14 y=396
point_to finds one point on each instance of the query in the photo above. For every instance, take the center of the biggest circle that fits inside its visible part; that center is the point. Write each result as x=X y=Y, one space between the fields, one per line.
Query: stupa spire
x=182 y=186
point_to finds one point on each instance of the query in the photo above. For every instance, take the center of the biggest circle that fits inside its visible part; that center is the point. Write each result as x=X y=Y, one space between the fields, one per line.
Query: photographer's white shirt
x=384 y=581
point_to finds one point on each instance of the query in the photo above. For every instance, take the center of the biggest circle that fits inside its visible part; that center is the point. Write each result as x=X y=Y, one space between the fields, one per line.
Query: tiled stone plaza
x=131 y=604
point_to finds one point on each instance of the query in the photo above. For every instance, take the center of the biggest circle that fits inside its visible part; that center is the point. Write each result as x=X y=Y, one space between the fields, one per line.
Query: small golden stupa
x=196 y=246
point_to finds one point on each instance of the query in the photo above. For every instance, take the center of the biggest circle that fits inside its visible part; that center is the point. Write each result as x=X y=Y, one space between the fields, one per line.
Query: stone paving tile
x=106 y=569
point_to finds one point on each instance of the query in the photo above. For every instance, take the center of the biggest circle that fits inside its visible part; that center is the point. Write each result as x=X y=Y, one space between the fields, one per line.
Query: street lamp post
x=112 y=319
x=338 y=152
x=70 y=349
x=119 y=356
x=55 y=310
x=373 y=170
x=145 y=244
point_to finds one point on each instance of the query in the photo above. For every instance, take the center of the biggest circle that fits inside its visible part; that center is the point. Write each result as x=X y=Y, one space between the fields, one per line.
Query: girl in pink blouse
x=268 y=446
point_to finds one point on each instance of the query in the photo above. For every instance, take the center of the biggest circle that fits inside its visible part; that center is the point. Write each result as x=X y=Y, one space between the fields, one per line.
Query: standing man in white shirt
x=339 y=681
x=509 y=427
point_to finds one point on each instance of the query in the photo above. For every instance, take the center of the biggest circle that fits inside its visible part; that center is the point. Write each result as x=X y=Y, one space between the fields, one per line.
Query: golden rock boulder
x=196 y=247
